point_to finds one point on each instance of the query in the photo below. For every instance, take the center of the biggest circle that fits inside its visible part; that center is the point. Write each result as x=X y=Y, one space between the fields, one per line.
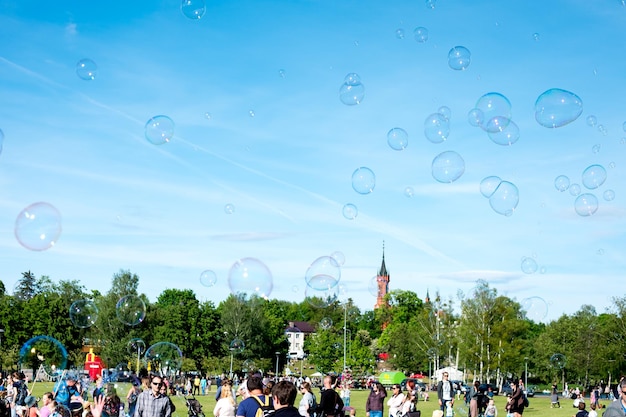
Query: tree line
x=484 y=333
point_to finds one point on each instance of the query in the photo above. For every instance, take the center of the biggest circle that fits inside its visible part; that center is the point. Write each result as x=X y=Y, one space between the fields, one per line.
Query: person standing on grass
x=445 y=392
x=151 y=403
x=618 y=407
x=374 y=406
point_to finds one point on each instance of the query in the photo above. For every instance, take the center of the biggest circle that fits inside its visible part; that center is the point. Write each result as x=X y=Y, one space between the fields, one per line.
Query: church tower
x=382 y=279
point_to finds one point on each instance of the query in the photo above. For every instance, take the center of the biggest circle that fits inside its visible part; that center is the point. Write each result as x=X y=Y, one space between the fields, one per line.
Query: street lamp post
x=526 y=374
x=345 y=317
x=1 y=334
x=276 y=374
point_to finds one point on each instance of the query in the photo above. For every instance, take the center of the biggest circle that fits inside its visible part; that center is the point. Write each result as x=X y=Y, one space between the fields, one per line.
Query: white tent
x=453 y=374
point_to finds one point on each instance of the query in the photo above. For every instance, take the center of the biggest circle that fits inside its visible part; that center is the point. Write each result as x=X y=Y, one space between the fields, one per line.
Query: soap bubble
x=352 y=90
x=489 y=185
x=236 y=345
x=594 y=176
x=43 y=351
x=400 y=33
x=339 y=257
x=130 y=310
x=459 y=58
x=229 y=208
x=323 y=273
x=420 y=34
x=208 y=278
x=592 y=120
x=507 y=132
x=494 y=105
x=596 y=148
x=536 y=308
x=586 y=204
x=574 y=189
x=250 y=276
x=561 y=183
x=350 y=211
x=445 y=112
x=558 y=361
x=431 y=4
x=159 y=130
x=448 y=167
x=409 y=192
x=164 y=358
x=602 y=130
x=208 y=116
x=363 y=180
x=556 y=108
x=397 y=139
x=529 y=265
x=536 y=37
x=251 y=113
x=86 y=69
x=136 y=346
x=608 y=195
x=1 y=140
x=38 y=226
x=193 y=9
x=326 y=323
x=321 y=298
x=83 y=313
x=475 y=117
x=504 y=200
x=282 y=73
x=436 y=128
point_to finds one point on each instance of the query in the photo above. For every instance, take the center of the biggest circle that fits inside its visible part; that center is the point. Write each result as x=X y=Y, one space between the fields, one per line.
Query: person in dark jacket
x=330 y=404
x=284 y=396
x=374 y=406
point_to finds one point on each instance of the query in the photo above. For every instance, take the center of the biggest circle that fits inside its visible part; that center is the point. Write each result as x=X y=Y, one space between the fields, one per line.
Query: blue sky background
x=159 y=210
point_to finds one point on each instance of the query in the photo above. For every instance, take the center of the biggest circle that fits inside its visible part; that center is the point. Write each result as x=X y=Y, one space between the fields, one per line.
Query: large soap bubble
x=420 y=34
x=208 y=278
x=561 y=183
x=556 y=108
x=44 y=351
x=503 y=131
x=536 y=308
x=436 y=127
x=164 y=358
x=505 y=199
x=529 y=265
x=558 y=361
x=594 y=176
x=397 y=139
x=159 y=130
x=586 y=205
x=193 y=9
x=83 y=313
x=136 y=346
x=363 y=180
x=448 y=167
x=459 y=58
x=130 y=310
x=250 y=276
x=323 y=273
x=86 y=69
x=490 y=106
x=38 y=226
x=352 y=90
x=489 y=185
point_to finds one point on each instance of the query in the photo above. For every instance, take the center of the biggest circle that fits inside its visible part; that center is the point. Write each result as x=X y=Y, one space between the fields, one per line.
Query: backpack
x=526 y=403
x=265 y=409
x=338 y=405
x=22 y=393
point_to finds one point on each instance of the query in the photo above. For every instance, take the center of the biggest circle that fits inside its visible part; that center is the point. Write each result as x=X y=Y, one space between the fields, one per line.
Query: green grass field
x=539 y=406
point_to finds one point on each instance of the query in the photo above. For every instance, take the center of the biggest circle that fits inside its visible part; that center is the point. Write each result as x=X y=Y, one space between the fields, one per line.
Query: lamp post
x=345 y=317
x=525 y=374
x=1 y=334
x=277 y=356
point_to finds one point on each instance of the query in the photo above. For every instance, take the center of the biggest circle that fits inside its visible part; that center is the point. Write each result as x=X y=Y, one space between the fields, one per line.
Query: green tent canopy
x=390 y=378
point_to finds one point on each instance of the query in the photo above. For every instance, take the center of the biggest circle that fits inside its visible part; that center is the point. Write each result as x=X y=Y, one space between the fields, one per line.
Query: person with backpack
x=516 y=402
x=256 y=400
x=20 y=392
x=331 y=404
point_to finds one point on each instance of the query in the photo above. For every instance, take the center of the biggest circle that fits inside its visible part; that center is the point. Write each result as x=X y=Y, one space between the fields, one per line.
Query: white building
x=296 y=333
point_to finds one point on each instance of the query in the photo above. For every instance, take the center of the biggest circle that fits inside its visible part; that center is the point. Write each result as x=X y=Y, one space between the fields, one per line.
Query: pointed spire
x=383 y=269
x=427 y=300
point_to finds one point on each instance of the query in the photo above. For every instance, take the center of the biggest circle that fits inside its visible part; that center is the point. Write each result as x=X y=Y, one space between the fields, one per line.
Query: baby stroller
x=194 y=408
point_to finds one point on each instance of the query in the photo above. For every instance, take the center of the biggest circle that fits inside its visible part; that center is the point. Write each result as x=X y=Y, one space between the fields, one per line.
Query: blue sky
x=159 y=210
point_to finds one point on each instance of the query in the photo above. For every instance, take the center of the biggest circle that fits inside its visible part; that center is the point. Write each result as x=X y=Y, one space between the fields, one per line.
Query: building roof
x=302 y=326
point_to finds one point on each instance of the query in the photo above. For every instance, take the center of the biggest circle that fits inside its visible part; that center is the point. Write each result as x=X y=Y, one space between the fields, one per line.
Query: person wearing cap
x=31 y=406
x=67 y=390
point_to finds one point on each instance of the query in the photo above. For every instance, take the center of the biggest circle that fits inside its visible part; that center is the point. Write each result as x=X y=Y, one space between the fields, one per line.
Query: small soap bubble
x=321 y=298
x=38 y=226
x=164 y=358
x=339 y=257
x=193 y=9
x=363 y=180
x=493 y=105
x=250 y=276
x=1 y=140
x=436 y=128
x=475 y=117
x=83 y=313
x=351 y=94
x=529 y=265
x=282 y=73
x=326 y=323
x=409 y=192
x=586 y=205
x=624 y=126
x=611 y=164
x=251 y=113
x=505 y=199
x=574 y=189
x=445 y=112
x=208 y=116
x=420 y=34
x=596 y=148
x=400 y=33
x=352 y=78
x=229 y=208
x=557 y=108
x=447 y=167
x=136 y=346
x=459 y=58
x=600 y=251
x=558 y=361
x=602 y=130
x=594 y=176
x=431 y=4
x=373 y=286
x=561 y=183
x=237 y=345
x=350 y=211
x=536 y=308
x=397 y=139
x=592 y=120
x=130 y=310
x=503 y=131
x=159 y=130
x=536 y=37
x=489 y=185
x=208 y=278
x=43 y=351
x=608 y=195
x=86 y=69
